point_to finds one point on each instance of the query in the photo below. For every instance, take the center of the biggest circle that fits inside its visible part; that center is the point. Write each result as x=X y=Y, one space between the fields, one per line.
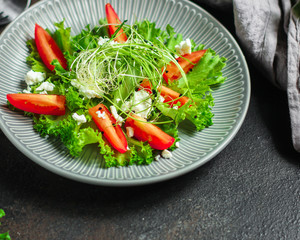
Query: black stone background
x=251 y=190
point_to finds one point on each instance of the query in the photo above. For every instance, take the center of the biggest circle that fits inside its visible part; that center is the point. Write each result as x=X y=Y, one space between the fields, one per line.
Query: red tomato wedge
x=114 y=21
x=167 y=93
x=187 y=62
x=38 y=103
x=107 y=124
x=48 y=48
x=148 y=132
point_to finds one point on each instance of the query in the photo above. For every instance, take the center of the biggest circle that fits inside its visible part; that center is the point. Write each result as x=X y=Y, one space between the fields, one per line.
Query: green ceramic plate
x=196 y=148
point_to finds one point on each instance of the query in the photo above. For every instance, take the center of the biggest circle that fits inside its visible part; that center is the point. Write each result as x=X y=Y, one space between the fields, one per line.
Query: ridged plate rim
x=244 y=103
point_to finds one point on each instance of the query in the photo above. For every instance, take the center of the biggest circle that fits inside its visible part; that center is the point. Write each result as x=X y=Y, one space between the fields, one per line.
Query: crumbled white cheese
x=129 y=132
x=118 y=100
x=43 y=92
x=102 y=41
x=75 y=83
x=175 y=107
x=114 y=112
x=79 y=118
x=140 y=103
x=166 y=154
x=47 y=86
x=157 y=157
x=101 y=114
x=33 y=77
x=177 y=144
x=161 y=98
x=85 y=91
x=89 y=93
x=184 y=47
x=28 y=90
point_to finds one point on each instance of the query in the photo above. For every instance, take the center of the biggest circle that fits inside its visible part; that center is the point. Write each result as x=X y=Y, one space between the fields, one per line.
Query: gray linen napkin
x=293 y=73
x=269 y=31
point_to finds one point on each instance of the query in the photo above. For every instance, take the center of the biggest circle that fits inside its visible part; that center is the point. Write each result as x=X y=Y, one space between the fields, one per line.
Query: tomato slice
x=107 y=124
x=38 y=103
x=171 y=97
x=148 y=132
x=113 y=21
x=187 y=62
x=48 y=48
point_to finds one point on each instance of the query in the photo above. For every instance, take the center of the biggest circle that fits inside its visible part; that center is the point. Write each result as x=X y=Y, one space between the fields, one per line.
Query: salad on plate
x=123 y=87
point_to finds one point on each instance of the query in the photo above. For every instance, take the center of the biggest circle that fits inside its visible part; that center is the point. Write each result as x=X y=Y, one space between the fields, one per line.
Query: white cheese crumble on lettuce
x=88 y=93
x=161 y=98
x=140 y=103
x=46 y=86
x=27 y=90
x=184 y=47
x=102 y=41
x=33 y=77
x=79 y=118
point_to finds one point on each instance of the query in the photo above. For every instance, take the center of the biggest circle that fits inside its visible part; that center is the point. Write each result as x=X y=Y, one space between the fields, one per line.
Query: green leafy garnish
x=4 y=236
x=101 y=70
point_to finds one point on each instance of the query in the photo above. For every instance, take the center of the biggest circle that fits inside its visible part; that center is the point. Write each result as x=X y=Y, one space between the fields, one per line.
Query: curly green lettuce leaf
x=88 y=38
x=207 y=72
x=67 y=129
x=169 y=38
x=34 y=59
x=62 y=37
x=177 y=115
x=109 y=155
x=140 y=152
x=199 y=113
x=74 y=100
x=172 y=38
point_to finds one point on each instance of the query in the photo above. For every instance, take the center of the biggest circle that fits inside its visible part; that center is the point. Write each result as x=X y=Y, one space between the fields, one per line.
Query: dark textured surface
x=251 y=190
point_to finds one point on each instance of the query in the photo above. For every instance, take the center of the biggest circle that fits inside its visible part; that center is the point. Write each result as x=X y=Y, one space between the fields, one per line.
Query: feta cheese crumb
x=184 y=47
x=118 y=100
x=102 y=40
x=28 y=90
x=101 y=114
x=129 y=132
x=114 y=112
x=79 y=118
x=166 y=154
x=88 y=93
x=177 y=144
x=46 y=86
x=157 y=157
x=140 y=103
x=161 y=98
x=33 y=77
x=43 y=92
x=175 y=107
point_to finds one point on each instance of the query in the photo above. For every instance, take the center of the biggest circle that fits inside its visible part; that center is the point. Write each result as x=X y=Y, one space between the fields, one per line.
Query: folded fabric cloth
x=269 y=31
x=293 y=66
